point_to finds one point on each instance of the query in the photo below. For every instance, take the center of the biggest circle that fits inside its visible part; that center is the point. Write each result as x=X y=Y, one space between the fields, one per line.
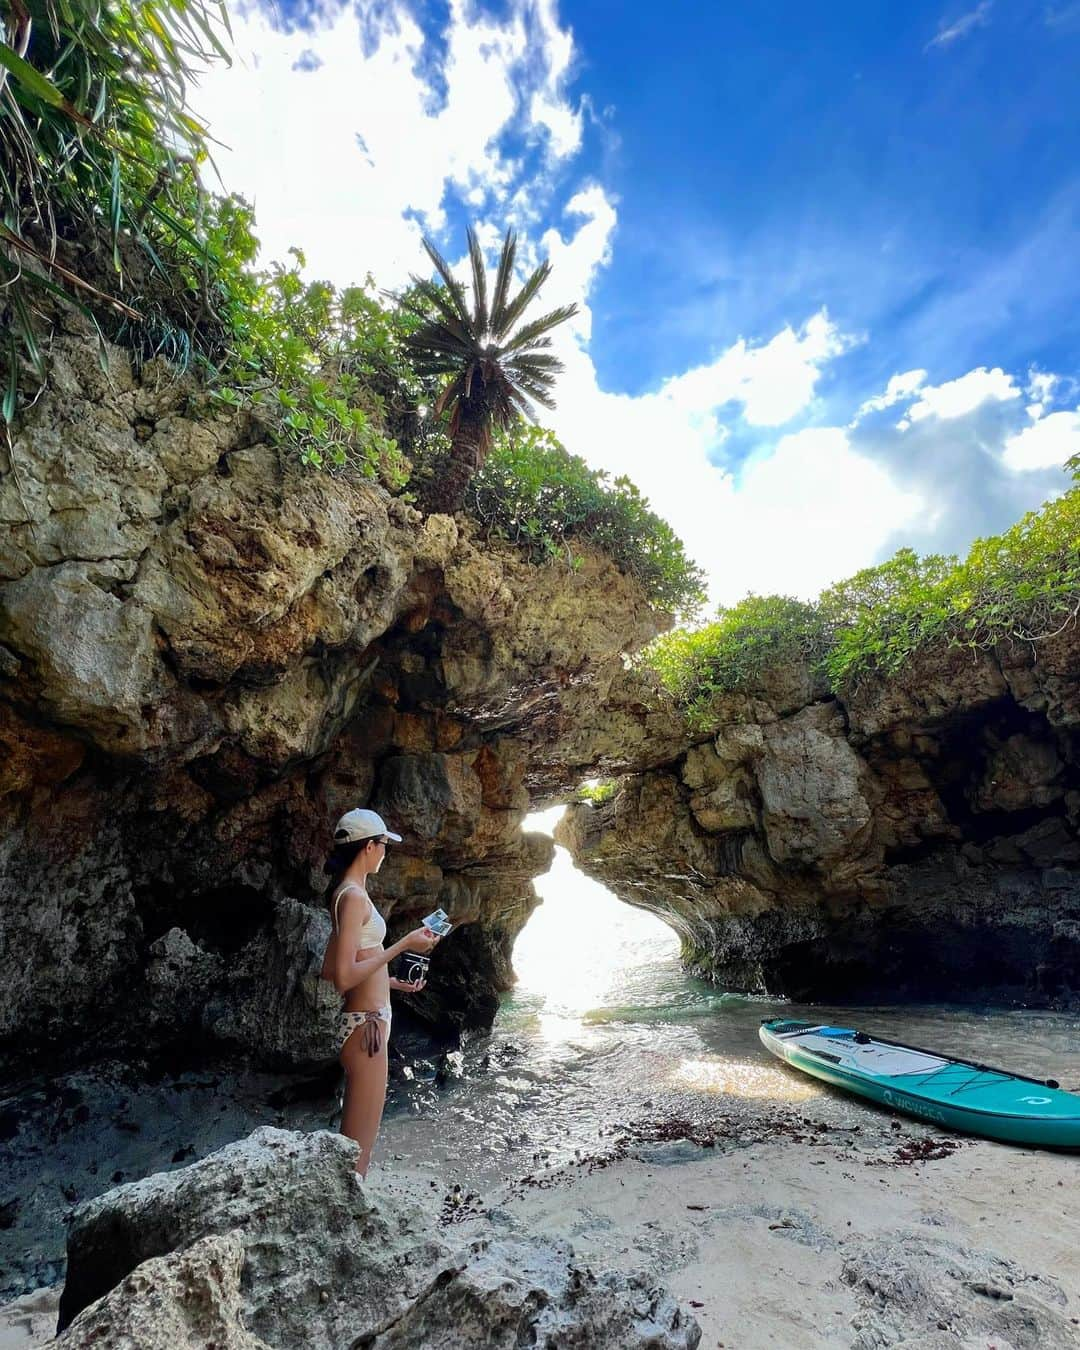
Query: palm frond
x=535 y=389
x=503 y=277
x=457 y=291
x=532 y=360
x=437 y=297
x=479 y=274
x=529 y=333
x=452 y=394
x=510 y=313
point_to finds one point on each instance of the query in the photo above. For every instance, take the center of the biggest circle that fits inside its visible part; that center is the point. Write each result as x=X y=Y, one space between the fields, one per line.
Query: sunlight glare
x=743 y=1078
x=581 y=944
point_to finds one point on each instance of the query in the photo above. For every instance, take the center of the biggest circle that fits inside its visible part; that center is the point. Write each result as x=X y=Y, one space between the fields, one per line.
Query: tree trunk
x=468 y=450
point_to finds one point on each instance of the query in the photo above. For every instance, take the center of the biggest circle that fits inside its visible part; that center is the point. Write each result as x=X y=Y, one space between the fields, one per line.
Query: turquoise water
x=603 y=1025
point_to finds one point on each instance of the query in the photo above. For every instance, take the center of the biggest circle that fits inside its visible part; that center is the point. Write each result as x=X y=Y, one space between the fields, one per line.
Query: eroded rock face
x=274 y=1240
x=922 y=838
x=184 y=1301
x=207 y=654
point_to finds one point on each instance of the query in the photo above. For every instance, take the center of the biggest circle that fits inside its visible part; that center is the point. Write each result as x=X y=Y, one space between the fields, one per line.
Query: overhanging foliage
x=1021 y=586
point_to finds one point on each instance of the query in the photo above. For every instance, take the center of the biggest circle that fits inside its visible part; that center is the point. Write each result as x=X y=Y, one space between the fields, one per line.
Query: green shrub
x=1019 y=586
x=323 y=365
x=697 y=665
x=96 y=147
x=531 y=491
x=596 y=793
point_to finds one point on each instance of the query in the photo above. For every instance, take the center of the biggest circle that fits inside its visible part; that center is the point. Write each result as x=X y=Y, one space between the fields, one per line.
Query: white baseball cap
x=362 y=824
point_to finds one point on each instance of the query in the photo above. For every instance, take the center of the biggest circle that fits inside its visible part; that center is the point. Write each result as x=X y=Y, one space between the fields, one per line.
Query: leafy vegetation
x=323 y=366
x=97 y=146
x=697 y=665
x=496 y=368
x=534 y=493
x=1019 y=586
x=103 y=207
x=598 y=792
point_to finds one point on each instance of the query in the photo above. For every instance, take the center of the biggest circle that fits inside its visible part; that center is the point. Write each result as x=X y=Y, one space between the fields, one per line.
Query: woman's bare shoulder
x=351 y=899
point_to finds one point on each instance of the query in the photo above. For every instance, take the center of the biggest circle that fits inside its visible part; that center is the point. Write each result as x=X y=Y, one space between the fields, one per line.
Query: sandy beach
x=789 y=1227
x=832 y=1239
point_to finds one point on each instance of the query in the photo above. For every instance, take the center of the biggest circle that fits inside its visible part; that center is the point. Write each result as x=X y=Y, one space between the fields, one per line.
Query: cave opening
x=585 y=956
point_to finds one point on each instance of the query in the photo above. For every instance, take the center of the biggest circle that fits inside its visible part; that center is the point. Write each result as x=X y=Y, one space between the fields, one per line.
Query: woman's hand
x=405 y=986
x=420 y=940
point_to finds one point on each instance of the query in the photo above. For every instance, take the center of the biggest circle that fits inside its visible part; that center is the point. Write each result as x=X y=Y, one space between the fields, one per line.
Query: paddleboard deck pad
x=955 y=1093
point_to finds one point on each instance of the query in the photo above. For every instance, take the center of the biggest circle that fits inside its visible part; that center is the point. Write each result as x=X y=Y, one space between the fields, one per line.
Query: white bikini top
x=374 y=931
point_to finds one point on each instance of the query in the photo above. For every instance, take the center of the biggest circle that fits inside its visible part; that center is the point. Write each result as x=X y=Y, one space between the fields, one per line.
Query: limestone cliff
x=206 y=654
x=921 y=838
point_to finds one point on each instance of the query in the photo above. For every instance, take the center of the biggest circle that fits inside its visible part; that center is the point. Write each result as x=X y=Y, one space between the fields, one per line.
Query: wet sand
x=790 y=1231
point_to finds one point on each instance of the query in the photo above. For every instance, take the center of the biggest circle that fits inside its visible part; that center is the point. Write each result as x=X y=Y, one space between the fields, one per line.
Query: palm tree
x=496 y=373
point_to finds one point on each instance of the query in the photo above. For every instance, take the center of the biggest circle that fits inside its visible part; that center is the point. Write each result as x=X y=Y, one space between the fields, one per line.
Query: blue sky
x=781 y=156
x=827 y=255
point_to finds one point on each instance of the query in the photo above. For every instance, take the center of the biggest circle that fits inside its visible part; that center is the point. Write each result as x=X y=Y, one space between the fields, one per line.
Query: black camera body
x=411 y=967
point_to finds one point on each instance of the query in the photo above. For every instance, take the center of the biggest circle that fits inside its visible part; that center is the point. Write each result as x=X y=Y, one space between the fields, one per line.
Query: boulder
x=325 y=1257
x=513 y=1293
x=188 y=1300
x=278 y=1234
x=273 y=1003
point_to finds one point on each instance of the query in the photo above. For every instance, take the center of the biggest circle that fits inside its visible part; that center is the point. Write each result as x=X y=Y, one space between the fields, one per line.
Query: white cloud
x=563 y=124
x=899 y=388
x=809 y=513
x=344 y=152
x=549 y=107
x=1041 y=385
x=1049 y=442
x=773 y=381
x=957 y=398
x=576 y=262
x=948 y=33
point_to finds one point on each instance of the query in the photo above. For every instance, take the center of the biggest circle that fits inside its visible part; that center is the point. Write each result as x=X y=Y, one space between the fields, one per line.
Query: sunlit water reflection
x=603 y=1025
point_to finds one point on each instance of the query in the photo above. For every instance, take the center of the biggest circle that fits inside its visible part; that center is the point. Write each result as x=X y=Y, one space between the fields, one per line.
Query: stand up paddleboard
x=951 y=1092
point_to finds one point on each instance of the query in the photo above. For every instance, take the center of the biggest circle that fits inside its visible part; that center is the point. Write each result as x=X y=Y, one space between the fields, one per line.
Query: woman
x=355 y=963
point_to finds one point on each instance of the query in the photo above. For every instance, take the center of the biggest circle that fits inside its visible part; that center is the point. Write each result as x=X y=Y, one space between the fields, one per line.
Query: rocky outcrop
x=921 y=837
x=185 y=1301
x=275 y=1241
x=207 y=653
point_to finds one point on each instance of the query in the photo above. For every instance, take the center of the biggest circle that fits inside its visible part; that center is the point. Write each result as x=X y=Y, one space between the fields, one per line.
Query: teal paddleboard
x=955 y=1093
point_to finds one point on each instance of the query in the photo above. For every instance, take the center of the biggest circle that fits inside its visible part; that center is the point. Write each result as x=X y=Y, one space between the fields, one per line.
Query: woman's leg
x=365 y=1091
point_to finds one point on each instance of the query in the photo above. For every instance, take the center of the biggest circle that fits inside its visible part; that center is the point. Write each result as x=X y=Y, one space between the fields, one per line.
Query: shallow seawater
x=603 y=1027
